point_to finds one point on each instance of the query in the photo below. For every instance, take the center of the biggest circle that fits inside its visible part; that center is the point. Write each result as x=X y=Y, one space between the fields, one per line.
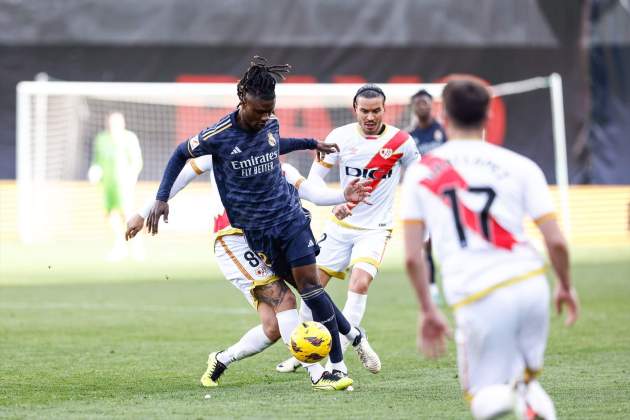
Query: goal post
x=57 y=122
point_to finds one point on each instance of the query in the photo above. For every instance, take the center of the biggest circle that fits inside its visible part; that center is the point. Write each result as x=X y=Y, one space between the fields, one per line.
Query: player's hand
x=325 y=148
x=134 y=225
x=341 y=211
x=569 y=298
x=357 y=192
x=432 y=333
x=160 y=208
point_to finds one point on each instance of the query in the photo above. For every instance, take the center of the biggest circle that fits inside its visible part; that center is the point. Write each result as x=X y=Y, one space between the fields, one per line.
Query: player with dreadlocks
x=245 y=146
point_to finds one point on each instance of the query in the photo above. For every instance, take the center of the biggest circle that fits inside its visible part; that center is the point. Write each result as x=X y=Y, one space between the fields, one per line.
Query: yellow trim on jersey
x=235 y=260
x=229 y=231
x=325 y=164
x=384 y=129
x=531 y=374
x=509 y=282
x=195 y=167
x=368 y=260
x=217 y=129
x=545 y=218
x=267 y=280
x=468 y=397
x=332 y=273
x=346 y=224
x=298 y=183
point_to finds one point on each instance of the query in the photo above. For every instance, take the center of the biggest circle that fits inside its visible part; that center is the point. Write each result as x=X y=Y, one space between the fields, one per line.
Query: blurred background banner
x=586 y=42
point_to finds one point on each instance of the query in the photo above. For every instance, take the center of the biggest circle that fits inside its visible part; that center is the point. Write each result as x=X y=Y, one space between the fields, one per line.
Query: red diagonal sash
x=385 y=159
x=444 y=176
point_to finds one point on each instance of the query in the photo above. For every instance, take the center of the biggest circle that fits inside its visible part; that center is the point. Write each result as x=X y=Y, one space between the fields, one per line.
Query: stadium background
x=56 y=295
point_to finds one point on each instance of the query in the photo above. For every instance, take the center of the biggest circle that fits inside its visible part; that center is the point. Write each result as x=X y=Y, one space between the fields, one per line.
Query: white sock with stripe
x=253 y=342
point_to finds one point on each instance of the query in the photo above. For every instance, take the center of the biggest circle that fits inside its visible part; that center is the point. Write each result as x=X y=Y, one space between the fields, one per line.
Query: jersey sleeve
x=201 y=144
x=331 y=158
x=411 y=202
x=410 y=152
x=292 y=175
x=538 y=203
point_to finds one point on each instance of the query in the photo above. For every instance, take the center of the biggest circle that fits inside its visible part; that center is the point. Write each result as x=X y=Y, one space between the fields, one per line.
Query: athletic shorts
x=241 y=266
x=279 y=246
x=342 y=247
x=502 y=335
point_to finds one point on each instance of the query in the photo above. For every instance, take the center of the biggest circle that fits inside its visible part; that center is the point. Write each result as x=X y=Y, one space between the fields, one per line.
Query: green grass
x=80 y=338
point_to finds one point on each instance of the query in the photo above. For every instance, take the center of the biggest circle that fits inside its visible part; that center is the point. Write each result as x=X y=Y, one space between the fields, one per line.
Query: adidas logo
x=236 y=151
x=310 y=244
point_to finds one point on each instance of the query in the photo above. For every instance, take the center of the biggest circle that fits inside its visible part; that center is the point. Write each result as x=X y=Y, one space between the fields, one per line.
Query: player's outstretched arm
x=193 y=169
x=290 y=144
x=317 y=192
x=433 y=328
x=173 y=168
x=565 y=294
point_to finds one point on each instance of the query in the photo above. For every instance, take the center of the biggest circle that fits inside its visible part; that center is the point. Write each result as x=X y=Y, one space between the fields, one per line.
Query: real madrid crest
x=385 y=153
x=271 y=139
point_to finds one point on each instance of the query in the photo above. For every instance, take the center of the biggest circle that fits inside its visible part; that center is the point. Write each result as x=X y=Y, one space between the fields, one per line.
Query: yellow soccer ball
x=310 y=342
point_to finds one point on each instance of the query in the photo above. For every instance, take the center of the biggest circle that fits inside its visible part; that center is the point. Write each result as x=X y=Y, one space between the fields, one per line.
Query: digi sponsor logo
x=369 y=173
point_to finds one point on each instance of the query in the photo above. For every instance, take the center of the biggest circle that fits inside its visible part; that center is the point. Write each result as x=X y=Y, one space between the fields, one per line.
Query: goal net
x=58 y=121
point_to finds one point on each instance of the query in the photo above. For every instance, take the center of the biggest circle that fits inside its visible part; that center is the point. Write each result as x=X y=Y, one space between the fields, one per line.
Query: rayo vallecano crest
x=271 y=139
x=385 y=152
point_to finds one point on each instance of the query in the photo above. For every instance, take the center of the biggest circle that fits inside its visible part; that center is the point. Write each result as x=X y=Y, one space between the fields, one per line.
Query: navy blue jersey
x=247 y=171
x=428 y=138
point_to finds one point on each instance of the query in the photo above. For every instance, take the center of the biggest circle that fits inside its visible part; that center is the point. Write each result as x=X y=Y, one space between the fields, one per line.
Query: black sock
x=323 y=310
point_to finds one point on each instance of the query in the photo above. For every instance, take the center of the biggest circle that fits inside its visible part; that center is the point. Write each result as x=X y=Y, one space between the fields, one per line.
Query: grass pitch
x=80 y=338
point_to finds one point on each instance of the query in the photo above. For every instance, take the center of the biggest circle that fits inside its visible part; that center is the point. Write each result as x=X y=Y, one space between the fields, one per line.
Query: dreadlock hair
x=260 y=79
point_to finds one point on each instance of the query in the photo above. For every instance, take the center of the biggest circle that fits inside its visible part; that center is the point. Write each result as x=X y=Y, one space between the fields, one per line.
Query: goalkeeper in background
x=116 y=164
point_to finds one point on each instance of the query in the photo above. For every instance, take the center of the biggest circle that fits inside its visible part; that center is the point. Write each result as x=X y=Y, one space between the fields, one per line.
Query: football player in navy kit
x=245 y=146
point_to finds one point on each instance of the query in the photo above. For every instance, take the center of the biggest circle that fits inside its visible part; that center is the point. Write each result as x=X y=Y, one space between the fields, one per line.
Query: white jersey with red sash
x=473 y=197
x=377 y=158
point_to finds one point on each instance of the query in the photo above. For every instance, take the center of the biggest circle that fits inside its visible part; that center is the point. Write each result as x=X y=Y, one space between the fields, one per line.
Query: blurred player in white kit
x=472 y=198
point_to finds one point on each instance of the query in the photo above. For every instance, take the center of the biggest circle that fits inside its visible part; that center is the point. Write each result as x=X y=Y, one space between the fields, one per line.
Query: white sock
x=315 y=371
x=492 y=401
x=305 y=312
x=354 y=308
x=340 y=366
x=287 y=321
x=254 y=341
x=540 y=401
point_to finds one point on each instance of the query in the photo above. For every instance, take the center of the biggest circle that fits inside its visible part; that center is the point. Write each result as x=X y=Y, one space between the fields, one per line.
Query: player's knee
x=288 y=302
x=361 y=277
x=271 y=329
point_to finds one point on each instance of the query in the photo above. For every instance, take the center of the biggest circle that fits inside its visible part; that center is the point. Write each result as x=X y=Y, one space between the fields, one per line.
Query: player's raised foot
x=367 y=355
x=288 y=366
x=332 y=381
x=214 y=371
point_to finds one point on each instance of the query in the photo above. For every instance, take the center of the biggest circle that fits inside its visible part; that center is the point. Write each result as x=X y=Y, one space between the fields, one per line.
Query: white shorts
x=241 y=266
x=503 y=335
x=342 y=247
